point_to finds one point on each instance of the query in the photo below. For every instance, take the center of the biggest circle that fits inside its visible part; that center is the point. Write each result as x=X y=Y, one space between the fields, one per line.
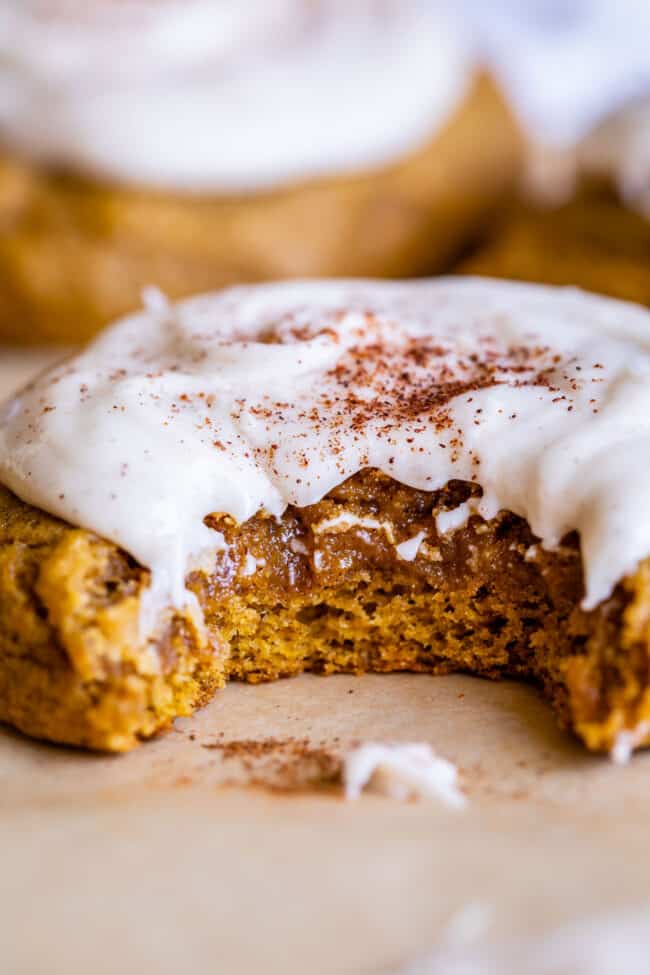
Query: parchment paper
x=160 y=862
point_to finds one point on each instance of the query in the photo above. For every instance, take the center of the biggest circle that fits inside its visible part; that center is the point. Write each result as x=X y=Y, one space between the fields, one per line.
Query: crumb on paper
x=400 y=771
x=409 y=771
x=280 y=764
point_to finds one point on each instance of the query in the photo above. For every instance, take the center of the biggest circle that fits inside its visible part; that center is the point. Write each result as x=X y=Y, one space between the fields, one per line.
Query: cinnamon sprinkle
x=283 y=764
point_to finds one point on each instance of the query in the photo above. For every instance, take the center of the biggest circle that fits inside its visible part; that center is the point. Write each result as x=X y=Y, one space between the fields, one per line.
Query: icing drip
x=256 y=398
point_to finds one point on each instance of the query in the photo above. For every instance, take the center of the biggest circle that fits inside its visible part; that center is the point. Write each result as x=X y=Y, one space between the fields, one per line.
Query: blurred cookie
x=585 y=220
x=305 y=139
x=592 y=242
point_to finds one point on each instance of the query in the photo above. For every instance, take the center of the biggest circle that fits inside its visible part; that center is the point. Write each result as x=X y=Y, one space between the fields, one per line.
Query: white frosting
x=573 y=73
x=409 y=549
x=410 y=771
x=564 y=66
x=215 y=95
x=617 y=150
x=620 y=149
x=449 y=521
x=260 y=397
x=346 y=520
x=251 y=565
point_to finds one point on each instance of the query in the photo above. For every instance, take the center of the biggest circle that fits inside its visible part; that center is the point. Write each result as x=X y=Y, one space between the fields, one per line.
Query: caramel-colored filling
x=295 y=594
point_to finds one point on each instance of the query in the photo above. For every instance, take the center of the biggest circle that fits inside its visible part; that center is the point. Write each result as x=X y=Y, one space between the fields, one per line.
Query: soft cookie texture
x=287 y=597
x=72 y=666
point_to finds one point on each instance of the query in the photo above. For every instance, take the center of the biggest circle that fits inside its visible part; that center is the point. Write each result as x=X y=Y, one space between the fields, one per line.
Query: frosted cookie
x=198 y=144
x=585 y=215
x=592 y=241
x=331 y=476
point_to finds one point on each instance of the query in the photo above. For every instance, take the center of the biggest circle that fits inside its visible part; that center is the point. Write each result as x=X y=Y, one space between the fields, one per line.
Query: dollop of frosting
x=256 y=398
x=402 y=772
x=220 y=96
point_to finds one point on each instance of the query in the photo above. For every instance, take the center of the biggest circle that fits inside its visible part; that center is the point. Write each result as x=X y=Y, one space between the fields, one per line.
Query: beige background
x=160 y=862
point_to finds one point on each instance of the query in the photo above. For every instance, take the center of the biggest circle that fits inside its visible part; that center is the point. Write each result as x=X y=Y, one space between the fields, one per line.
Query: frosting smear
x=256 y=398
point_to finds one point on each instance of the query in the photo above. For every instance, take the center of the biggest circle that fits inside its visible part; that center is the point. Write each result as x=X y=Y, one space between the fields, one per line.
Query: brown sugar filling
x=314 y=590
